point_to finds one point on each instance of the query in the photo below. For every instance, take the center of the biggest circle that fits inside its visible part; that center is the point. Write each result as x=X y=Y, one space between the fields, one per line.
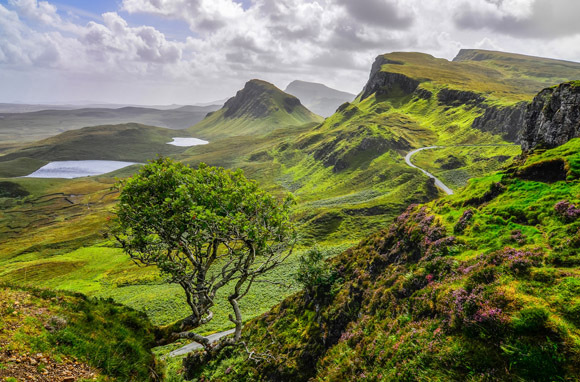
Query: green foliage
x=203 y=229
x=531 y=320
x=114 y=339
x=537 y=361
x=315 y=274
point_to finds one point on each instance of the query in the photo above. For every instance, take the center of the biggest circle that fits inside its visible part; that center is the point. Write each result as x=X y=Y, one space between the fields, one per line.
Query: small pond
x=187 y=142
x=78 y=168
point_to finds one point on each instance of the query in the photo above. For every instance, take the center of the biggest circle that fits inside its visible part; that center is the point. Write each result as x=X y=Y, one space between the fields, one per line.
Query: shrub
x=315 y=274
x=463 y=221
x=518 y=237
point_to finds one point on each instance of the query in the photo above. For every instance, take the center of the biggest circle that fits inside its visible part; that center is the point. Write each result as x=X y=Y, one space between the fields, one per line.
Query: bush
x=314 y=273
x=463 y=221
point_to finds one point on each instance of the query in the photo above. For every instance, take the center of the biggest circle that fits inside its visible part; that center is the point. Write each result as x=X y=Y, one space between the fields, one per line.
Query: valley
x=416 y=190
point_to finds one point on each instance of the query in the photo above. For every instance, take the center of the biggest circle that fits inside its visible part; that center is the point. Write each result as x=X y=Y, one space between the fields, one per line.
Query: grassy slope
x=349 y=171
x=53 y=335
x=456 y=165
x=492 y=297
x=257 y=109
x=127 y=142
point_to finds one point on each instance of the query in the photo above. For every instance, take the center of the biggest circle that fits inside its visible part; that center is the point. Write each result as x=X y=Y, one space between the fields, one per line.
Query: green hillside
x=348 y=174
x=257 y=109
x=478 y=286
x=126 y=142
x=57 y=336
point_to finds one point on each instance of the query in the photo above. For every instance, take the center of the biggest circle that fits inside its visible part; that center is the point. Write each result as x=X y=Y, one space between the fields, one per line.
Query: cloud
x=202 y=15
x=384 y=13
x=43 y=12
x=333 y=41
x=116 y=42
x=544 y=19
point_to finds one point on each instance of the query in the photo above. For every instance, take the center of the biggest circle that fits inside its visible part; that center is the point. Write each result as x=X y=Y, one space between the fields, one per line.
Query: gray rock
x=505 y=121
x=452 y=97
x=553 y=117
x=385 y=83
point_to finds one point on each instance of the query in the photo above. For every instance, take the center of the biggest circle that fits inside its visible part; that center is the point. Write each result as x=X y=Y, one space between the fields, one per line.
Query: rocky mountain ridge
x=553 y=117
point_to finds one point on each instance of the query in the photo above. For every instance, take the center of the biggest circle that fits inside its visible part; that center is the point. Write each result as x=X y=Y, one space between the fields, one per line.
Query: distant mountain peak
x=318 y=97
x=257 y=99
x=256 y=109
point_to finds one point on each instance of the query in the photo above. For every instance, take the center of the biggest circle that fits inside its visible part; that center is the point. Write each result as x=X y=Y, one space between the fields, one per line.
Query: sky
x=161 y=52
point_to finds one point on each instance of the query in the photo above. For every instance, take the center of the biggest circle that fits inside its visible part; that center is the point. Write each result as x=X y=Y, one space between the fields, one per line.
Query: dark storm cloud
x=381 y=13
x=549 y=19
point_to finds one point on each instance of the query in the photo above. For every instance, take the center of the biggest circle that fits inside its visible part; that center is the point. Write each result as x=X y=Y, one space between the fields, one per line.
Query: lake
x=78 y=168
x=187 y=142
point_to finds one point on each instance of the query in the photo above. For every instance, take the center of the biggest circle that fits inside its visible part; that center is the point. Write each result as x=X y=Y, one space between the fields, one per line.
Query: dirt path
x=438 y=182
x=194 y=345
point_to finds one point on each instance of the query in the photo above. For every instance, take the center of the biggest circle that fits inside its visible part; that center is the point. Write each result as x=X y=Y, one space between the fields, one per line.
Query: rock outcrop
x=553 y=117
x=505 y=121
x=383 y=83
x=453 y=97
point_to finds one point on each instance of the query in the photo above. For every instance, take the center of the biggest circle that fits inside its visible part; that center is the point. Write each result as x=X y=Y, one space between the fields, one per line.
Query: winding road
x=194 y=345
x=438 y=182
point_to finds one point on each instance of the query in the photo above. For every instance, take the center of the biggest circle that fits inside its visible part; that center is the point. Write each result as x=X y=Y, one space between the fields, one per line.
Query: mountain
x=318 y=97
x=258 y=108
x=477 y=286
x=350 y=171
x=27 y=127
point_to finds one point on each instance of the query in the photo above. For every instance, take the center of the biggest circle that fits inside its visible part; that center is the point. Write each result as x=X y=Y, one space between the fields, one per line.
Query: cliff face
x=506 y=121
x=383 y=83
x=553 y=117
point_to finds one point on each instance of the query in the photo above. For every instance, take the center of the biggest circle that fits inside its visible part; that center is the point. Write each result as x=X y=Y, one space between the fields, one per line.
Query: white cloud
x=330 y=41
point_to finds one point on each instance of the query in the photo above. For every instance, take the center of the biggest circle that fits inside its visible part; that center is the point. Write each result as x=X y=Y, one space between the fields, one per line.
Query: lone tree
x=203 y=228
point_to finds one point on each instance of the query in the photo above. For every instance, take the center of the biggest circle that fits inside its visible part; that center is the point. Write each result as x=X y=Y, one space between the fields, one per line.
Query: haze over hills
x=29 y=108
x=257 y=109
x=31 y=126
x=319 y=98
